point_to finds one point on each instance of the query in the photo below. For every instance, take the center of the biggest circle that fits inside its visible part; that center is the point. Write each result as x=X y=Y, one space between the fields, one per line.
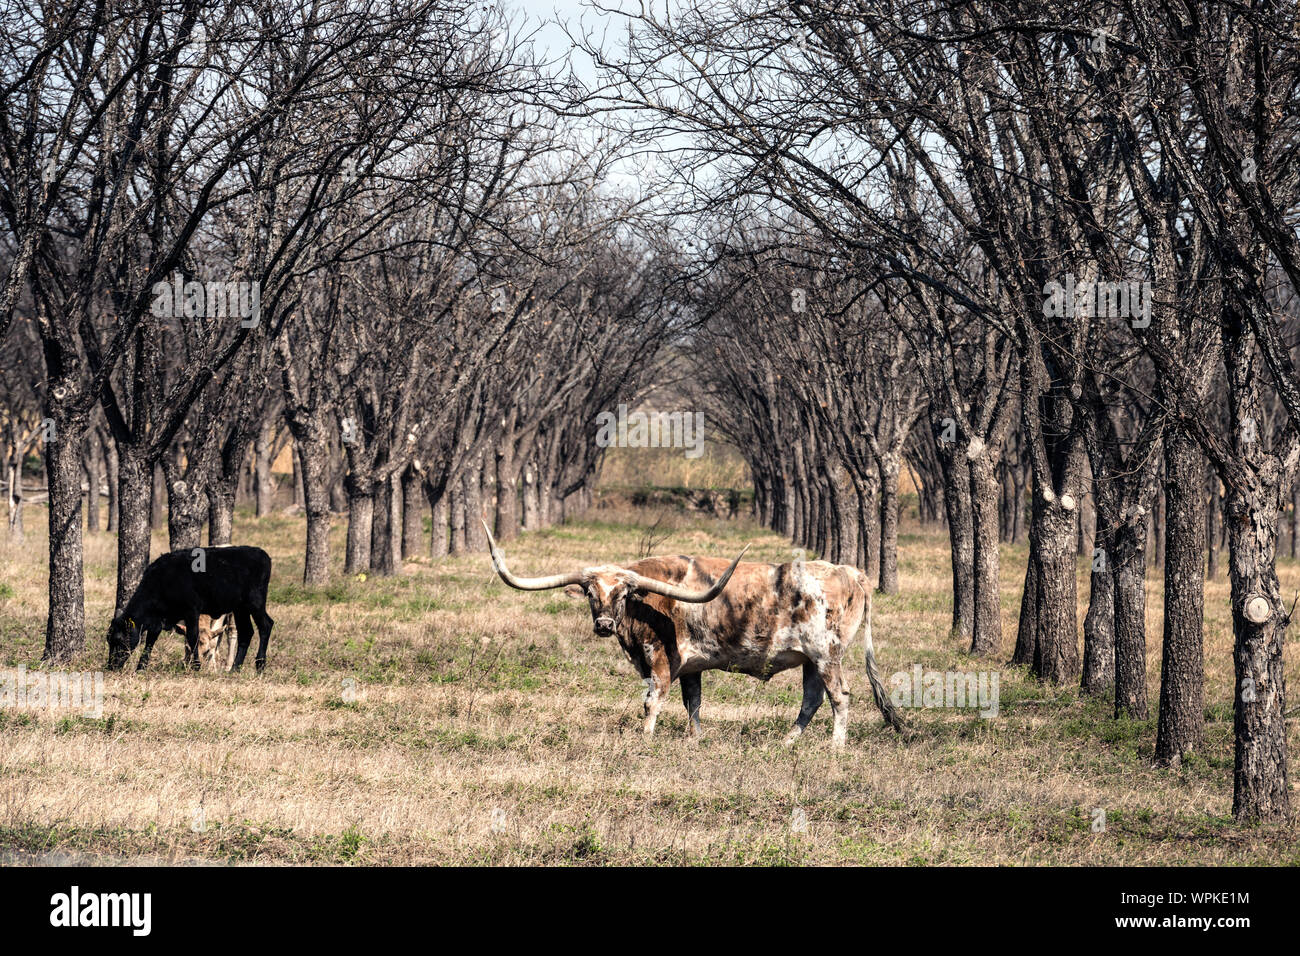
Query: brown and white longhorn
x=676 y=617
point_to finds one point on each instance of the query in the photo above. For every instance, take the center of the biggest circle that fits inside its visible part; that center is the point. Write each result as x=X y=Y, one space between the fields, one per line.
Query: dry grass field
x=441 y=718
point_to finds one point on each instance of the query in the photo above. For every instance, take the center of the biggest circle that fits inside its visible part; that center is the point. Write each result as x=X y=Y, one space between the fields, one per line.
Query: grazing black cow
x=233 y=580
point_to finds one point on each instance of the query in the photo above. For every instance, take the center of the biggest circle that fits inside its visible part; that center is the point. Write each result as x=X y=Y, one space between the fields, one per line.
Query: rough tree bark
x=361 y=511
x=438 y=535
x=65 y=628
x=1099 y=623
x=1128 y=567
x=1182 y=706
x=134 y=521
x=987 y=637
x=1056 y=645
x=109 y=451
x=91 y=466
x=961 y=538
x=384 y=560
x=472 y=481
x=889 y=471
x=1212 y=532
x=412 y=511
x=263 y=489
x=312 y=462
x=456 y=515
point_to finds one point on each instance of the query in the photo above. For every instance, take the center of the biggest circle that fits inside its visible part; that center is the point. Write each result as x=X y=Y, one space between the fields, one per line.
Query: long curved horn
x=680 y=593
x=527 y=584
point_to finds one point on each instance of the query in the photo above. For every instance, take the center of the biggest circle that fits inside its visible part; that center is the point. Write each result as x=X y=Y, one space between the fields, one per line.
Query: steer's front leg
x=149 y=638
x=656 y=691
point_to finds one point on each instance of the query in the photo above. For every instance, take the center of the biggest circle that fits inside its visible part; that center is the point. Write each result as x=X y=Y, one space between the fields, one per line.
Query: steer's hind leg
x=813 y=692
x=838 y=691
x=691 y=692
x=244 y=628
x=264 y=623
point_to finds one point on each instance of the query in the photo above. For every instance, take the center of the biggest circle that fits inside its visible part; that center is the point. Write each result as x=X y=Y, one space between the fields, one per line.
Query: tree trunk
x=438 y=542
x=790 y=509
x=134 y=535
x=109 y=450
x=412 y=511
x=1018 y=482
x=14 y=476
x=1056 y=647
x=221 y=513
x=869 y=523
x=1259 y=627
x=472 y=485
x=1212 y=516
x=65 y=625
x=1099 y=623
x=507 y=482
x=186 y=507
x=361 y=511
x=1087 y=525
x=1008 y=519
x=889 y=468
x=1027 y=626
x=846 y=504
x=91 y=465
x=157 y=511
x=312 y=459
x=1128 y=563
x=456 y=513
x=299 y=492
x=1182 y=706
x=263 y=489
x=957 y=488
x=532 y=499
x=384 y=559
x=987 y=638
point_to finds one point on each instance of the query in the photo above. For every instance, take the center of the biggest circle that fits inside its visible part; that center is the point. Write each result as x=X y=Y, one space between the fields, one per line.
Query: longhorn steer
x=676 y=617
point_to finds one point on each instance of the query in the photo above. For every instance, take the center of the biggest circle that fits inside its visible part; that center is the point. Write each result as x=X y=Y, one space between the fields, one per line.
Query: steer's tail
x=877 y=688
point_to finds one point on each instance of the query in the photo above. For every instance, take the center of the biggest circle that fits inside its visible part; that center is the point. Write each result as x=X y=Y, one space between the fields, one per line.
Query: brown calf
x=205 y=649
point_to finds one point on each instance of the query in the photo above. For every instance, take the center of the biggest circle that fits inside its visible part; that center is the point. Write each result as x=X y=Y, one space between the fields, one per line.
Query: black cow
x=173 y=592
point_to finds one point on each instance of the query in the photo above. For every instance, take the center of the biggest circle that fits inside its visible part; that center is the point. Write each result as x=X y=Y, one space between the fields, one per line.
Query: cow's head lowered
x=608 y=587
x=123 y=637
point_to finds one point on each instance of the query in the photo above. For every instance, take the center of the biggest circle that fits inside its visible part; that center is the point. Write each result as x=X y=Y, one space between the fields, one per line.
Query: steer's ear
x=575 y=590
